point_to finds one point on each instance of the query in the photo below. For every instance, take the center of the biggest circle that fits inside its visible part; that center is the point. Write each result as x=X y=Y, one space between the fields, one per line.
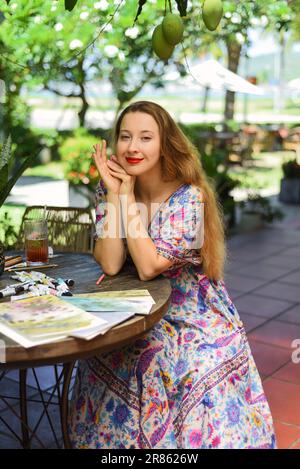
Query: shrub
x=8 y=232
x=76 y=152
x=261 y=206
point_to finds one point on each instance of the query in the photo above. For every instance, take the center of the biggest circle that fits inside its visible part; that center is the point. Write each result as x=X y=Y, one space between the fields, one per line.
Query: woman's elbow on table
x=108 y=268
x=161 y=265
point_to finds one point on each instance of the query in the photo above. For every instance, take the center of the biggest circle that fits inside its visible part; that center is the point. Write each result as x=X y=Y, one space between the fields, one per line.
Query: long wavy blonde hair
x=181 y=161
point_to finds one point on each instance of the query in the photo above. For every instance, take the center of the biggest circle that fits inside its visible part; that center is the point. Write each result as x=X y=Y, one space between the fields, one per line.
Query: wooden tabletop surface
x=85 y=271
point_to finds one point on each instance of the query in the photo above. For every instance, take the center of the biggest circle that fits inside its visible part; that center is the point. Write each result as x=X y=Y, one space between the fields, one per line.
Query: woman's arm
x=109 y=250
x=142 y=249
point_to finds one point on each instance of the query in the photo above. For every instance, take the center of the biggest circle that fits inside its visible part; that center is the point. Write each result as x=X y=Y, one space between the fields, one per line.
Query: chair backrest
x=70 y=229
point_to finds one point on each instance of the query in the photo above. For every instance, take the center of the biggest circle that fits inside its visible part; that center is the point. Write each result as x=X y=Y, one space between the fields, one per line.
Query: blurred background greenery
x=64 y=76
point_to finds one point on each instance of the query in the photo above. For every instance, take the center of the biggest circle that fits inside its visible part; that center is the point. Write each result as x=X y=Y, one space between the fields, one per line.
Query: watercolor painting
x=141 y=295
x=36 y=319
x=94 y=304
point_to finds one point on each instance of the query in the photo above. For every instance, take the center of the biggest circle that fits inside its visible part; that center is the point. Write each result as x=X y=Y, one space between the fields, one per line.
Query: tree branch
x=59 y=93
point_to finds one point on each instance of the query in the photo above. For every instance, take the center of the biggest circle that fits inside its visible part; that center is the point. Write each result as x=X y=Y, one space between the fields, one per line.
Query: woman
x=191 y=382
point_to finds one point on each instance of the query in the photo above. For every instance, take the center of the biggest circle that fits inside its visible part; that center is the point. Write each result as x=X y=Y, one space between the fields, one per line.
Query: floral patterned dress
x=192 y=381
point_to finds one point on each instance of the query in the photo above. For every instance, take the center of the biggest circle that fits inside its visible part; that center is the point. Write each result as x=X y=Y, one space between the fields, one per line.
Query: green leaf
x=4 y=192
x=3 y=176
x=7 y=1
x=141 y=4
x=5 y=154
x=70 y=4
x=182 y=6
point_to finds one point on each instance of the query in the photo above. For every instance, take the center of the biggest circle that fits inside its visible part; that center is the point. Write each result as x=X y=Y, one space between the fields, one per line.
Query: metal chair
x=70 y=229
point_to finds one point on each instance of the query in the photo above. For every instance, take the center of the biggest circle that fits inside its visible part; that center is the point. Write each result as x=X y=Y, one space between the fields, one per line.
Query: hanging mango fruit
x=166 y=35
x=161 y=47
x=170 y=32
x=172 y=26
x=212 y=12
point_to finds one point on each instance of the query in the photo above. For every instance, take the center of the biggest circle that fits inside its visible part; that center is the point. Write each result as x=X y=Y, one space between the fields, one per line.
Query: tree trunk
x=84 y=106
x=82 y=95
x=120 y=106
x=205 y=99
x=234 y=53
x=282 y=44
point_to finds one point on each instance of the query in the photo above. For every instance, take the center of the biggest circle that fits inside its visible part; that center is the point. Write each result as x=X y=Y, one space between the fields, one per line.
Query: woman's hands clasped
x=114 y=176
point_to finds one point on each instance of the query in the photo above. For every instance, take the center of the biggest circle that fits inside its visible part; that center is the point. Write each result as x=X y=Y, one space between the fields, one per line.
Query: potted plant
x=215 y=166
x=256 y=211
x=290 y=183
x=7 y=182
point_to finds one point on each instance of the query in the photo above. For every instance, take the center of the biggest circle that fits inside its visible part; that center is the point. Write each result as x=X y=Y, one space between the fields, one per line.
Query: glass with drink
x=36 y=241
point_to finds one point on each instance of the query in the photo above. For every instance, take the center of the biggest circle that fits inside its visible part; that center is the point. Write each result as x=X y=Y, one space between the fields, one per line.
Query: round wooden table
x=85 y=271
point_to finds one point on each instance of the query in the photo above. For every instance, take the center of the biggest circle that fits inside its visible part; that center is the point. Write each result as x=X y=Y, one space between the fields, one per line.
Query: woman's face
x=138 y=145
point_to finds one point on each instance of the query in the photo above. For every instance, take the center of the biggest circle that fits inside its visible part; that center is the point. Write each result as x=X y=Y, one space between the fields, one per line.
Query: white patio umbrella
x=211 y=74
x=292 y=88
x=294 y=84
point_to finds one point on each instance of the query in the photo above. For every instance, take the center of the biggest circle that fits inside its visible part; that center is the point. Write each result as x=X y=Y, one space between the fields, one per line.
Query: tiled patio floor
x=263 y=277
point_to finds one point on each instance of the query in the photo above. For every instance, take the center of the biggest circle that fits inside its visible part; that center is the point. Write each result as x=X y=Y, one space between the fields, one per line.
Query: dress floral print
x=192 y=381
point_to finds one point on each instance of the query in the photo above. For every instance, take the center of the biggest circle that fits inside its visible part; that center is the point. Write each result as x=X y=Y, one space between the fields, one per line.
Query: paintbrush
x=33 y=267
x=12 y=261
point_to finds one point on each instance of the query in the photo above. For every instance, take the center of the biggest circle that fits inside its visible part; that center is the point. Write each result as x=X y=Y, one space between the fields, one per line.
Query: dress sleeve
x=100 y=208
x=179 y=233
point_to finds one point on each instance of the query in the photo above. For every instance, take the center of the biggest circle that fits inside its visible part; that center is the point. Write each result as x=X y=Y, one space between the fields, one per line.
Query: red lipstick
x=134 y=160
